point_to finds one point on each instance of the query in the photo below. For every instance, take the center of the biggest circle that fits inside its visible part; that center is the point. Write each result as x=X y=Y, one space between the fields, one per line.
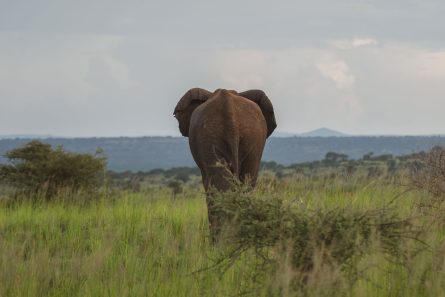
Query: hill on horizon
x=320 y=132
x=323 y=132
x=146 y=153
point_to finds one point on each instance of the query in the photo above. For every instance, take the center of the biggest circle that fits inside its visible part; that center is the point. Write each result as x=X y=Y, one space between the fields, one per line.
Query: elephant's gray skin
x=229 y=128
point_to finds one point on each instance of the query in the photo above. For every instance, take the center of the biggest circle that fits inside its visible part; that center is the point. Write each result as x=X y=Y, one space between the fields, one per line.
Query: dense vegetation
x=336 y=227
x=37 y=170
x=333 y=163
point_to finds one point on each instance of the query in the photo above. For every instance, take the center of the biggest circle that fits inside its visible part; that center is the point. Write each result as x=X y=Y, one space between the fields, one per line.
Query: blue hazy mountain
x=146 y=153
x=323 y=132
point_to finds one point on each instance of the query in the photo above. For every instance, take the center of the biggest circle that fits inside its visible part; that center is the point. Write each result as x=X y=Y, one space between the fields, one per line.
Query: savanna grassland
x=318 y=232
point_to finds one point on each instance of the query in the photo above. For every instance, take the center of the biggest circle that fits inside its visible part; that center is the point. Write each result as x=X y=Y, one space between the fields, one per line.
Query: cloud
x=241 y=69
x=400 y=87
x=70 y=69
x=340 y=73
x=336 y=70
x=57 y=83
x=410 y=62
x=357 y=42
x=128 y=85
x=106 y=71
x=306 y=84
x=429 y=65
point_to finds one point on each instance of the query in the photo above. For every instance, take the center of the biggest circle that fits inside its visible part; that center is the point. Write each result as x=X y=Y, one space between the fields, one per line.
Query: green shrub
x=307 y=240
x=36 y=169
x=430 y=173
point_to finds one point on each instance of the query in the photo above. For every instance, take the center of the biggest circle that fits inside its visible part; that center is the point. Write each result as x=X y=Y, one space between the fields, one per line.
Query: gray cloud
x=118 y=68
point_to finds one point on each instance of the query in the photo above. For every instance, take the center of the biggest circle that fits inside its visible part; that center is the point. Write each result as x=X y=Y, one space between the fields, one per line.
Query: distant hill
x=146 y=153
x=323 y=132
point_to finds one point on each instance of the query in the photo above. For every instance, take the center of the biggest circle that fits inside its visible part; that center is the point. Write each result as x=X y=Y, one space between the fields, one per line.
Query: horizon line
x=291 y=135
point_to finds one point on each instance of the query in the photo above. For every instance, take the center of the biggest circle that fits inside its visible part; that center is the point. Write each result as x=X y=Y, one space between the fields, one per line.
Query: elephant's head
x=196 y=96
x=186 y=105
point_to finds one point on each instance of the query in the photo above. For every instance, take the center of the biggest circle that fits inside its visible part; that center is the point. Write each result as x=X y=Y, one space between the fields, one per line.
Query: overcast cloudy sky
x=117 y=68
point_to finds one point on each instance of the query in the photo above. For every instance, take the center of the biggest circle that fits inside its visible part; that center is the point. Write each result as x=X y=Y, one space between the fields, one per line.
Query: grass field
x=155 y=244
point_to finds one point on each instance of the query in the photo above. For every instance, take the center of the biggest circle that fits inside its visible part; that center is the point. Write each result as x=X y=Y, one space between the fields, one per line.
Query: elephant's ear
x=186 y=105
x=260 y=98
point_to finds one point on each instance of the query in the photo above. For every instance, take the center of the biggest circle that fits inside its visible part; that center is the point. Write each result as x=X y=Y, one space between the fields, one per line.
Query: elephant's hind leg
x=249 y=169
x=217 y=179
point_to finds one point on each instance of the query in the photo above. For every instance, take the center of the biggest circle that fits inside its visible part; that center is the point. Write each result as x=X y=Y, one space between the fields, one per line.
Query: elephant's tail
x=234 y=161
x=230 y=132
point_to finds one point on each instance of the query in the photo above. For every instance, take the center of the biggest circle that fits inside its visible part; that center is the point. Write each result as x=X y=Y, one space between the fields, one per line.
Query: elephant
x=225 y=127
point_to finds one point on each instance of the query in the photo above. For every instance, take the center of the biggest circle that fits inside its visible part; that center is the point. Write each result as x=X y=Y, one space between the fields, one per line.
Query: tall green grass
x=156 y=244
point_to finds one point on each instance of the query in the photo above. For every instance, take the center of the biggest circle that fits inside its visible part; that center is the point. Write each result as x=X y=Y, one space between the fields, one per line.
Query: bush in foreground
x=308 y=244
x=38 y=170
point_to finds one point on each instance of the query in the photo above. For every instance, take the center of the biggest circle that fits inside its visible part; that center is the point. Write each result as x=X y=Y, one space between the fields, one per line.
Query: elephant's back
x=231 y=114
x=229 y=120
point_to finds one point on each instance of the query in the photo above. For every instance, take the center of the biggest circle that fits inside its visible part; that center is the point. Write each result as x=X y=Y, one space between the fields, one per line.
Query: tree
x=36 y=168
x=368 y=156
x=175 y=186
x=332 y=157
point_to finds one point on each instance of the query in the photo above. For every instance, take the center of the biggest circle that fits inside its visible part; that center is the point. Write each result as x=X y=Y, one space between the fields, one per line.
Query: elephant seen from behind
x=225 y=127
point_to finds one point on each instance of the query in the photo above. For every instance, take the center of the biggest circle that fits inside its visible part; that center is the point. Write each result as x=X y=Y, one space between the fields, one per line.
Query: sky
x=118 y=68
